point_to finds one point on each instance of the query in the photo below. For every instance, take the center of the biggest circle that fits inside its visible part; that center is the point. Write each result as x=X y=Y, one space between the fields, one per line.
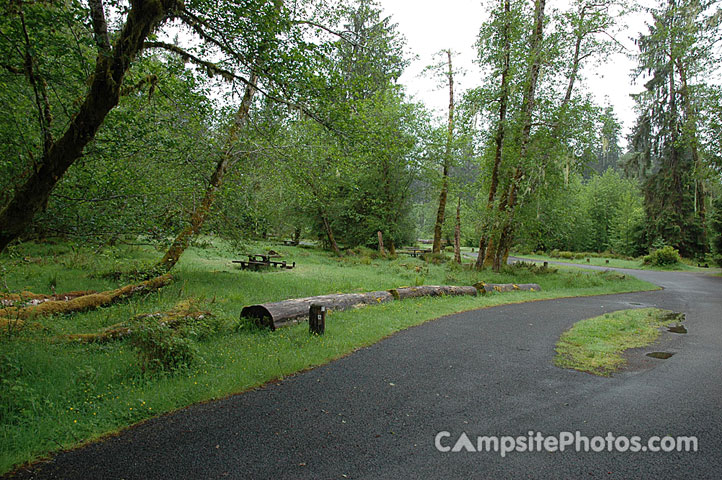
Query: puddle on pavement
x=677 y=329
x=660 y=355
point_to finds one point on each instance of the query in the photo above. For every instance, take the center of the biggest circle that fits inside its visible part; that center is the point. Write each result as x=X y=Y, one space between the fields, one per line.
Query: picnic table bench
x=258 y=260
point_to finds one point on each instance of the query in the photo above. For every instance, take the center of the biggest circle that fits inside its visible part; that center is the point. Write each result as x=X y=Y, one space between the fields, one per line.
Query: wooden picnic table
x=262 y=257
x=259 y=260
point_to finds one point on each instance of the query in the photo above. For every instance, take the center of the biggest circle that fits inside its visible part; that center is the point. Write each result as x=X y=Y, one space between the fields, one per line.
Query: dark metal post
x=317 y=319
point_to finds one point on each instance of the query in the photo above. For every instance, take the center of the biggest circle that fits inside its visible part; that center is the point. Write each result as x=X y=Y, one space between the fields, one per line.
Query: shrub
x=663 y=257
x=200 y=327
x=140 y=271
x=522 y=267
x=363 y=253
x=159 y=347
x=434 y=258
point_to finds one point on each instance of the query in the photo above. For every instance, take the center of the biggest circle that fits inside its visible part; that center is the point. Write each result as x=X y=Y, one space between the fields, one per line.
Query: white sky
x=432 y=25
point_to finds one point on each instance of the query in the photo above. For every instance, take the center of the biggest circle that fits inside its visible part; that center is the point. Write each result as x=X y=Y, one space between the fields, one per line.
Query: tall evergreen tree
x=674 y=56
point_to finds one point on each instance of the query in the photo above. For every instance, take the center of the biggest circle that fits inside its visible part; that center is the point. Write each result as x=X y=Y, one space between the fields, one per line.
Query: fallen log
x=85 y=302
x=280 y=314
x=431 y=291
x=485 y=288
x=30 y=298
x=287 y=312
x=179 y=315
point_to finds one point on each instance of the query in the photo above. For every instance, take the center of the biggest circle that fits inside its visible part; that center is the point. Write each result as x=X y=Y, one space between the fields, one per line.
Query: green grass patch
x=595 y=345
x=57 y=394
x=636 y=264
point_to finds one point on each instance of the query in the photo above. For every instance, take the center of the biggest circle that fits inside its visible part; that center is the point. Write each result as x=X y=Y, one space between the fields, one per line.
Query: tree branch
x=340 y=35
x=152 y=79
x=621 y=45
x=230 y=76
x=197 y=25
x=100 y=26
x=40 y=89
x=211 y=68
x=11 y=69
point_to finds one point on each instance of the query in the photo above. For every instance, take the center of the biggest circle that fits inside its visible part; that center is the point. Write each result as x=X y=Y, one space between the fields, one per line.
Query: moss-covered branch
x=84 y=302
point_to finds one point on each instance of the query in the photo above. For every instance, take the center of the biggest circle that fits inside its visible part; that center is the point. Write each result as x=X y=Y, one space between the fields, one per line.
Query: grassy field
x=619 y=263
x=55 y=393
x=595 y=345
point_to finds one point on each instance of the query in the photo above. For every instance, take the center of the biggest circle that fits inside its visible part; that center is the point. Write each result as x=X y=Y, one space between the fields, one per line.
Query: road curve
x=376 y=413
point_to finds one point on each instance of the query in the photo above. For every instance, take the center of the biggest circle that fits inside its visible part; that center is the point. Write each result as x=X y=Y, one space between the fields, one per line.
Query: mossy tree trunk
x=508 y=203
x=484 y=240
x=229 y=157
x=496 y=256
x=691 y=130
x=103 y=95
x=441 y=213
x=330 y=236
x=457 y=233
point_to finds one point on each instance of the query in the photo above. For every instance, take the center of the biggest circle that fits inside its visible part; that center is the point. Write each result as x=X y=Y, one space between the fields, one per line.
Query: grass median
x=595 y=345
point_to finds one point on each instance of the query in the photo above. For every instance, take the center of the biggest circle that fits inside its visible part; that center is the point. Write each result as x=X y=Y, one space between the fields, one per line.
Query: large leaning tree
x=263 y=45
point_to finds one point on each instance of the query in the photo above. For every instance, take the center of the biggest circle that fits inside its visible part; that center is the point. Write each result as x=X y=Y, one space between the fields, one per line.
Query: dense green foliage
x=716 y=228
x=334 y=149
x=603 y=213
x=669 y=138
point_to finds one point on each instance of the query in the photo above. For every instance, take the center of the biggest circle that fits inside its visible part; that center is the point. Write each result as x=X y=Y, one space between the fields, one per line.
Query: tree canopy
x=164 y=119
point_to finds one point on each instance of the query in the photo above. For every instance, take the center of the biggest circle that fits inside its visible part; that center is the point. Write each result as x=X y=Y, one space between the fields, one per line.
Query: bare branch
x=109 y=198
x=341 y=35
x=200 y=27
x=621 y=45
x=586 y=55
x=211 y=68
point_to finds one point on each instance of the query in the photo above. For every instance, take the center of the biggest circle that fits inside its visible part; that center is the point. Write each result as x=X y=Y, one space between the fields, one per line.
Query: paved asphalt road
x=375 y=414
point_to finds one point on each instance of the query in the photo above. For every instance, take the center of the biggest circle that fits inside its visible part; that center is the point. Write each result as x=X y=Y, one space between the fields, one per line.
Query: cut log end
x=259 y=315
